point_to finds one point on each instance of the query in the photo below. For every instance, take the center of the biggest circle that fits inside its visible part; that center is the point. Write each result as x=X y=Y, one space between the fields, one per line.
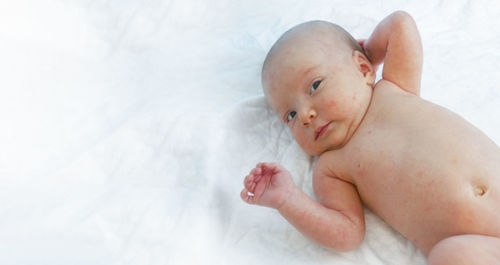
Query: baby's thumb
x=247 y=197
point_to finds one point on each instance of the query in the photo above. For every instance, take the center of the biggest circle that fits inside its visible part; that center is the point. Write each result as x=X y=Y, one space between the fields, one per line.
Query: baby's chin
x=321 y=148
x=316 y=151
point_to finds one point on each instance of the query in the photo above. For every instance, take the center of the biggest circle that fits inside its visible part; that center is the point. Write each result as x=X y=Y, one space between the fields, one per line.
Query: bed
x=127 y=127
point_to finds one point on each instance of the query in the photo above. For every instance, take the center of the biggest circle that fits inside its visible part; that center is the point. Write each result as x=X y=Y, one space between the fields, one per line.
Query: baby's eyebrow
x=309 y=70
x=282 y=113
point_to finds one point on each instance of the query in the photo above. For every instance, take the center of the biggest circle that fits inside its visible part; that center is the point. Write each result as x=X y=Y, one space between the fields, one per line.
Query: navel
x=480 y=190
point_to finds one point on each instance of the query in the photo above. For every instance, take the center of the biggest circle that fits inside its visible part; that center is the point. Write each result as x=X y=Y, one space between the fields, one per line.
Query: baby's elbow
x=347 y=239
x=405 y=33
x=355 y=240
x=403 y=21
x=401 y=16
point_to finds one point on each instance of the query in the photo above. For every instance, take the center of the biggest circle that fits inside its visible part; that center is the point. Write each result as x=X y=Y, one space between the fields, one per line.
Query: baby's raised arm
x=396 y=42
x=335 y=222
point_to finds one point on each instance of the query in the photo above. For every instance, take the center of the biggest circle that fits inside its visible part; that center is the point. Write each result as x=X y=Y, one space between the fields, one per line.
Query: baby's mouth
x=321 y=131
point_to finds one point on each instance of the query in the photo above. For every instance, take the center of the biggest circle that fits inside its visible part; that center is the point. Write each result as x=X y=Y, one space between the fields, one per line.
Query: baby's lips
x=320 y=130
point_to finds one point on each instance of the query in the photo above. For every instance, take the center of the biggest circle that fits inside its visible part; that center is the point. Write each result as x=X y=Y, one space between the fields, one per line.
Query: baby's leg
x=466 y=249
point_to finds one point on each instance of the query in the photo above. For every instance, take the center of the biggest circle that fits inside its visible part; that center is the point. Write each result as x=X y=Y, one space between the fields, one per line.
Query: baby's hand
x=361 y=43
x=269 y=184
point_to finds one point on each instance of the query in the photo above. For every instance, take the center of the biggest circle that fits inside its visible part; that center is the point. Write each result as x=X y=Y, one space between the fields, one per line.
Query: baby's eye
x=314 y=86
x=290 y=115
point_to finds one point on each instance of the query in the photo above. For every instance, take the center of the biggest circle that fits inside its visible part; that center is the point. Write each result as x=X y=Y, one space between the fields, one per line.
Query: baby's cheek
x=300 y=139
x=331 y=104
x=308 y=145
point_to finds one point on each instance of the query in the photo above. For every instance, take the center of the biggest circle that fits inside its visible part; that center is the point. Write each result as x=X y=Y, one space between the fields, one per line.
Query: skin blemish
x=332 y=104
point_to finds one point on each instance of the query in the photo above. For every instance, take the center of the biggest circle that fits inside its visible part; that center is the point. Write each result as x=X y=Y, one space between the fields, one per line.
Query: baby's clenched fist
x=268 y=184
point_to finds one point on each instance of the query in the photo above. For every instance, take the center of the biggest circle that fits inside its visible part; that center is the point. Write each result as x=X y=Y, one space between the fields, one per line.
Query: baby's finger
x=248 y=181
x=245 y=196
x=361 y=42
x=271 y=166
x=256 y=171
x=268 y=168
x=252 y=187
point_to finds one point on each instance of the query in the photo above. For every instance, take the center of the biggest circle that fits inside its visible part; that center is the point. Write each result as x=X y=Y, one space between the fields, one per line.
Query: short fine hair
x=325 y=26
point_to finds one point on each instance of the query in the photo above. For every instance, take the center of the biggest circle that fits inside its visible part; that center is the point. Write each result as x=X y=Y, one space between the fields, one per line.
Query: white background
x=127 y=127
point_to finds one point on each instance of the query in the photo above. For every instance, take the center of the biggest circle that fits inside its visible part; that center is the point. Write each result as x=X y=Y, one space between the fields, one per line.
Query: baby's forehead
x=317 y=29
x=298 y=55
x=306 y=37
x=305 y=41
x=300 y=48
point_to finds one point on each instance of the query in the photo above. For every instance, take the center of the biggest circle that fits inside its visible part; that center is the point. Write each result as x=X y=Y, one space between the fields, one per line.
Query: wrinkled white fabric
x=127 y=127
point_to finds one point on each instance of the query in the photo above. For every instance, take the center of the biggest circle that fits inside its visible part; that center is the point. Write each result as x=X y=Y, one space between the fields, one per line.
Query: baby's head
x=319 y=81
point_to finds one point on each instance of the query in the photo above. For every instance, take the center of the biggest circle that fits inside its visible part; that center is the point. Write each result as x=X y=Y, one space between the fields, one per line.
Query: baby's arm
x=336 y=222
x=396 y=42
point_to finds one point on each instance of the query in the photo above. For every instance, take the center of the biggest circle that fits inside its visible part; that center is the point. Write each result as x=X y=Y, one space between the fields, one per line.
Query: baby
x=426 y=171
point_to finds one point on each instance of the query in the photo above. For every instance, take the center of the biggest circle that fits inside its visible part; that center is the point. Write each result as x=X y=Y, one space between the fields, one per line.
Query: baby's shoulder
x=330 y=164
x=386 y=86
x=388 y=96
x=323 y=162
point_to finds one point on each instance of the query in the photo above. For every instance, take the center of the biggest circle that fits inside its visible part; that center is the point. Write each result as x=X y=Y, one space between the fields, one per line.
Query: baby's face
x=320 y=94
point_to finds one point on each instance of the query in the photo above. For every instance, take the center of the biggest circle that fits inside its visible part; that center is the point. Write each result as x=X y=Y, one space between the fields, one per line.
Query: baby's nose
x=308 y=117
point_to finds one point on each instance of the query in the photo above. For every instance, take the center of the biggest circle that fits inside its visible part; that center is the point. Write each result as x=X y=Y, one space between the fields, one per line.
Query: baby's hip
x=477 y=213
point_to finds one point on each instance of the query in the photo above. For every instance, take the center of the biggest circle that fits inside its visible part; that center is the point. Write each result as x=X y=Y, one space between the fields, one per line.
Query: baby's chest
x=389 y=164
x=405 y=175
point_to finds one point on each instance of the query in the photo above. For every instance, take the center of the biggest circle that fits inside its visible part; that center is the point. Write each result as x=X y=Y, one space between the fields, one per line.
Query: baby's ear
x=364 y=66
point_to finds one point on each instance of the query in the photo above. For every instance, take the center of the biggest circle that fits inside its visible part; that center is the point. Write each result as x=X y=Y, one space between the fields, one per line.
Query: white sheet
x=127 y=126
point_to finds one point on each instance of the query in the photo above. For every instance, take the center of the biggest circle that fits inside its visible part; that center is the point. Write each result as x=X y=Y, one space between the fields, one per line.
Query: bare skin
x=426 y=171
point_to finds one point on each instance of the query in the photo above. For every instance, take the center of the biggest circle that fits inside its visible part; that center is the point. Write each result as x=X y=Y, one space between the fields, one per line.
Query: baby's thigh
x=466 y=249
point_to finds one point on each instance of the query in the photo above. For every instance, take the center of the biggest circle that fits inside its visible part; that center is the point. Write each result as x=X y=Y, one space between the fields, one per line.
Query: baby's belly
x=426 y=171
x=435 y=208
